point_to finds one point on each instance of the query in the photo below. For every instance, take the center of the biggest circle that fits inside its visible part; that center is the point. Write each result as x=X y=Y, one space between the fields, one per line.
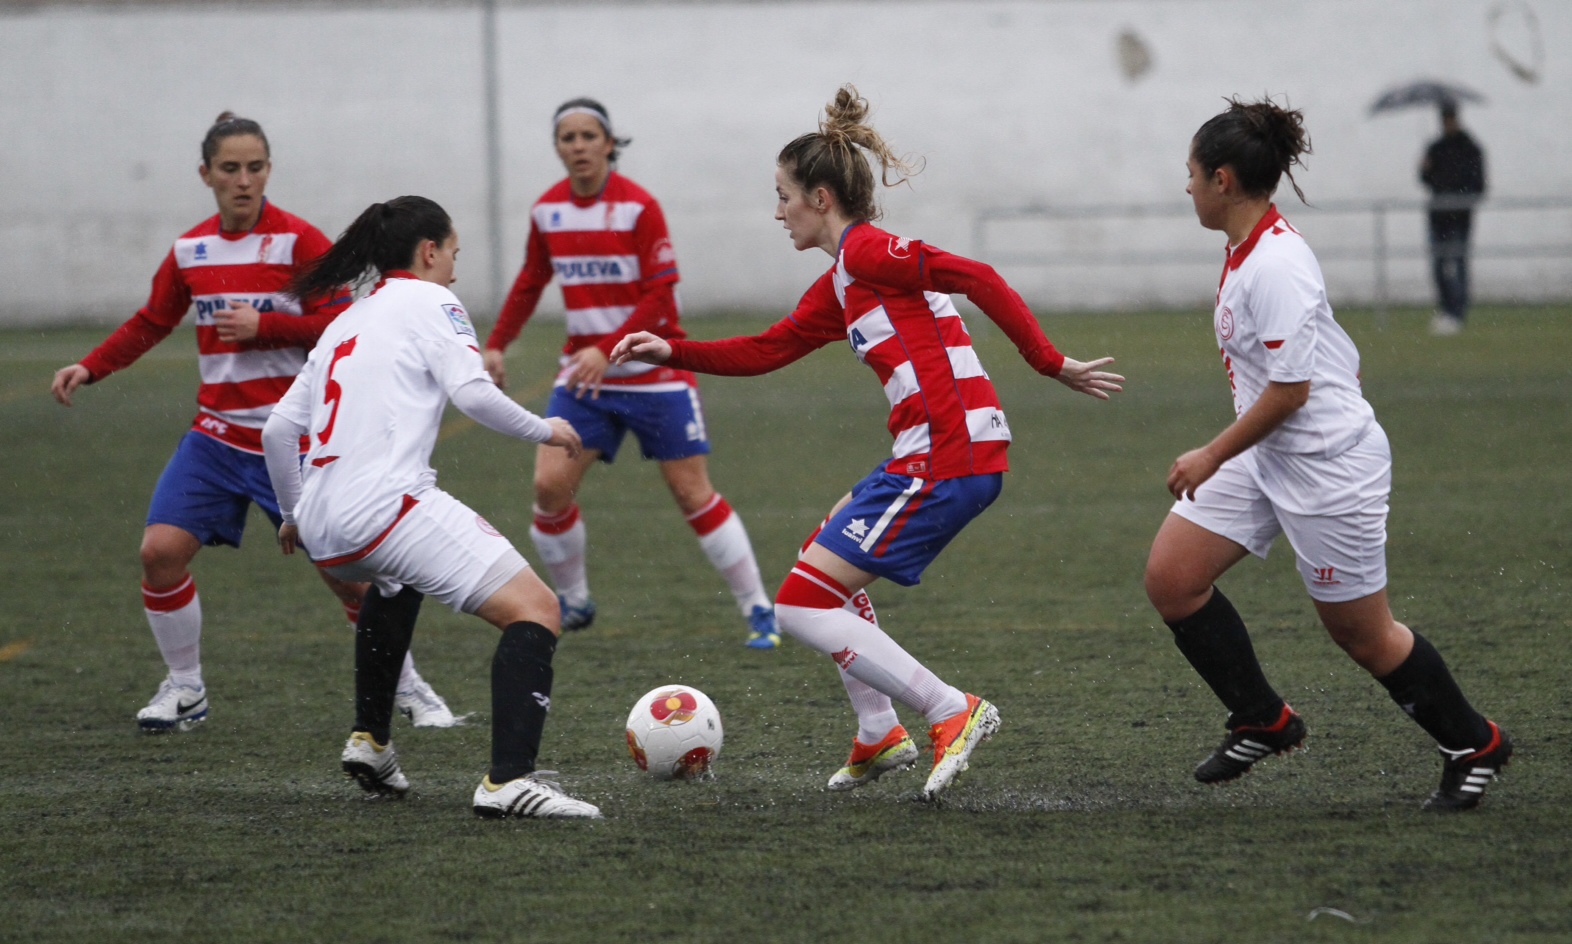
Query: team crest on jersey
x=1225 y=323
x=900 y=247
x=460 y=319
x=266 y=244
x=487 y=527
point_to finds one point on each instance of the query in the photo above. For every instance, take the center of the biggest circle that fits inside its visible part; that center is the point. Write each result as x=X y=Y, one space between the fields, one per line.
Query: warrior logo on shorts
x=1225 y=323
x=1325 y=577
x=485 y=526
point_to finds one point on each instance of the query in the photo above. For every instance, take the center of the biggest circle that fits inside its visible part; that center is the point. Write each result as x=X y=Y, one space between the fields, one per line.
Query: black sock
x=1217 y=644
x=1424 y=688
x=382 y=637
x=520 y=697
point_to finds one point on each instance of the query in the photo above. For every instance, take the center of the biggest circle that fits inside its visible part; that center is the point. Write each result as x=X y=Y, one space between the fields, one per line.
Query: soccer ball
x=675 y=733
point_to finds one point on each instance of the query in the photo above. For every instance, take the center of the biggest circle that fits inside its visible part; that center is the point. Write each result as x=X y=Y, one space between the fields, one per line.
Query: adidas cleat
x=762 y=631
x=174 y=708
x=1464 y=775
x=869 y=762
x=530 y=796
x=424 y=707
x=1248 y=743
x=374 y=766
x=954 y=739
x=576 y=616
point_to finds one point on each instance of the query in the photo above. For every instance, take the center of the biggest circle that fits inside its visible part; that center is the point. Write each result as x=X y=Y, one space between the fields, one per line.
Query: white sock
x=408 y=678
x=725 y=543
x=870 y=656
x=876 y=715
x=561 y=540
x=175 y=616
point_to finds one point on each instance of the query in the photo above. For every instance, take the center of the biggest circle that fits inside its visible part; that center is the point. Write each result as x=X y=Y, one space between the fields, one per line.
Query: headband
x=596 y=113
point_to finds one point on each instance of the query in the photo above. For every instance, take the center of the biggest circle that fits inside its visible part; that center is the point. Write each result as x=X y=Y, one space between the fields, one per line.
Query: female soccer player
x=1305 y=458
x=251 y=340
x=605 y=240
x=371 y=398
x=888 y=296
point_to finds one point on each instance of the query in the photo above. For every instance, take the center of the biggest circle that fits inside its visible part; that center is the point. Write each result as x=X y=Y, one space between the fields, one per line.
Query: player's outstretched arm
x=1084 y=377
x=641 y=346
x=564 y=436
x=495 y=362
x=67 y=379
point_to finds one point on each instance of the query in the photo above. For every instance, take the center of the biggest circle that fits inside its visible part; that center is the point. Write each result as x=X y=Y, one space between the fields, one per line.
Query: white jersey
x=371 y=397
x=1273 y=323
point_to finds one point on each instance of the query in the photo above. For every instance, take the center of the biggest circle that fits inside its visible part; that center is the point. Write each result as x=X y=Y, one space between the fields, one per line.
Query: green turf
x=1079 y=822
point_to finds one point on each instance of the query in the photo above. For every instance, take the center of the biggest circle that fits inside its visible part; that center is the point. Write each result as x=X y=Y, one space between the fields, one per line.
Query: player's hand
x=237 y=323
x=493 y=359
x=641 y=346
x=586 y=368
x=564 y=436
x=288 y=538
x=1190 y=470
x=67 y=379
x=1084 y=377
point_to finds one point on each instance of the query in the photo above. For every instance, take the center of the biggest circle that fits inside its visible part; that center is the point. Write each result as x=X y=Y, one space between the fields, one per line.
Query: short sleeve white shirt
x=1274 y=323
x=371 y=396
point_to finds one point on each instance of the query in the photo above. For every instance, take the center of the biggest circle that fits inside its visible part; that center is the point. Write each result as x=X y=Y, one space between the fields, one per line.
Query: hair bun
x=223 y=117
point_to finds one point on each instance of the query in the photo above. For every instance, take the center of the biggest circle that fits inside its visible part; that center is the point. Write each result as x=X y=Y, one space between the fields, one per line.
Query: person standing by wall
x=1454 y=170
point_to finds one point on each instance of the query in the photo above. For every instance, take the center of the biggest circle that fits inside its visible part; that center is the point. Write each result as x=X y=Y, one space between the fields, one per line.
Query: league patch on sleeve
x=460 y=319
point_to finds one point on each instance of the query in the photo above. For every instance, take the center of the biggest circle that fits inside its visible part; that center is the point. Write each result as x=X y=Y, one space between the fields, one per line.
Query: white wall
x=1010 y=103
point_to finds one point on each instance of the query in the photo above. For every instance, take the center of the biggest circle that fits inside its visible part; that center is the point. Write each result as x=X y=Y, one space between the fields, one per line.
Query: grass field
x=1078 y=822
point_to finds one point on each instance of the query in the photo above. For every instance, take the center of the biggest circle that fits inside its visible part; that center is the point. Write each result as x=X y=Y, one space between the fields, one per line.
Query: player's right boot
x=530 y=796
x=763 y=632
x=1465 y=774
x=374 y=766
x=421 y=704
x=954 y=738
x=869 y=762
x=1248 y=743
x=174 y=708
x=576 y=616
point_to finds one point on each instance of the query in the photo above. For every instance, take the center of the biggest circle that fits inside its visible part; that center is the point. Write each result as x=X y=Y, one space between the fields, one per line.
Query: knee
x=553 y=495
x=1173 y=593
x=162 y=563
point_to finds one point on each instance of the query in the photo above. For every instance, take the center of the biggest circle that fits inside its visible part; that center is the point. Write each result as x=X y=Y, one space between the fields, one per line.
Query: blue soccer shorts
x=668 y=424
x=894 y=525
x=208 y=487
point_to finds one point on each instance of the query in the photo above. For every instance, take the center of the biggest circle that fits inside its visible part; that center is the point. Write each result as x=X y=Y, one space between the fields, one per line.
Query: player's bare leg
x=1181 y=573
x=725 y=542
x=174 y=613
x=1473 y=749
x=526 y=611
x=558 y=530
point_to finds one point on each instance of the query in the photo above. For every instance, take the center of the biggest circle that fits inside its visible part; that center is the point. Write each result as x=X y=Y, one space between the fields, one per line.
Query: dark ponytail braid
x=383 y=237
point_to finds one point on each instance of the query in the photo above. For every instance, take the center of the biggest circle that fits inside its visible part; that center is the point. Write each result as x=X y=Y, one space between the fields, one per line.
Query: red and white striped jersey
x=613 y=258
x=210 y=268
x=889 y=297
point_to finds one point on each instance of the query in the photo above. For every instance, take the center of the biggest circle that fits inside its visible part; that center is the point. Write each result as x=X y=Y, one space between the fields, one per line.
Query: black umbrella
x=1424 y=92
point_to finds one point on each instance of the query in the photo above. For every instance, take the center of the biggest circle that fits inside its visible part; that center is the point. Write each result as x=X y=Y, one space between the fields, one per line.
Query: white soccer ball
x=675 y=733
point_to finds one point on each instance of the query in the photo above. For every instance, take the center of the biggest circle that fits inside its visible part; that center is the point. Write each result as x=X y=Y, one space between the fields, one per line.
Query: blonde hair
x=830 y=157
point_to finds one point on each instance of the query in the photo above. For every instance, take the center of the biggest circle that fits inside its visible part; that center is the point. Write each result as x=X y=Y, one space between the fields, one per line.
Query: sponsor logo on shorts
x=857 y=530
x=485 y=526
x=1325 y=577
x=844 y=658
x=919 y=467
x=213 y=423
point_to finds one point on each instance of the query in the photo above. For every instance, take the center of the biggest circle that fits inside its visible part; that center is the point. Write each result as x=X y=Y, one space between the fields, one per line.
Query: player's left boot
x=576 y=616
x=530 y=796
x=173 y=708
x=424 y=707
x=1465 y=774
x=1247 y=743
x=374 y=766
x=763 y=633
x=954 y=739
x=869 y=762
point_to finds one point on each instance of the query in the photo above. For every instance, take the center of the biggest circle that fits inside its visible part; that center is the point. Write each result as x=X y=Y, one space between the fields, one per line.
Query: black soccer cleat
x=1248 y=743
x=1464 y=776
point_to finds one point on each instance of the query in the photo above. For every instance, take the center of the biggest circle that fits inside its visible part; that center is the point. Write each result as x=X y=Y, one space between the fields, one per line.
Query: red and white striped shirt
x=613 y=258
x=889 y=297
x=209 y=267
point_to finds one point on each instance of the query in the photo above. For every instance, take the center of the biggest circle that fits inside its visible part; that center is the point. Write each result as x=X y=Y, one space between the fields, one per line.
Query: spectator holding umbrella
x=1454 y=170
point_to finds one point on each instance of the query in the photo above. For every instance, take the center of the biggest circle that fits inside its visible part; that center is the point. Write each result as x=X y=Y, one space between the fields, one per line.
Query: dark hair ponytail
x=383 y=237
x=1261 y=141
x=228 y=125
x=832 y=157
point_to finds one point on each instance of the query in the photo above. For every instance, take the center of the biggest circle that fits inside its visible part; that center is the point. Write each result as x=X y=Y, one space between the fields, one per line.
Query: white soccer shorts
x=443 y=549
x=1340 y=556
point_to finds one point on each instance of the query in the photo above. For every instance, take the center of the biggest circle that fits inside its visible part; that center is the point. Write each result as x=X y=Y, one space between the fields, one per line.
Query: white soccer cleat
x=425 y=708
x=374 y=766
x=530 y=796
x=174 y=708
